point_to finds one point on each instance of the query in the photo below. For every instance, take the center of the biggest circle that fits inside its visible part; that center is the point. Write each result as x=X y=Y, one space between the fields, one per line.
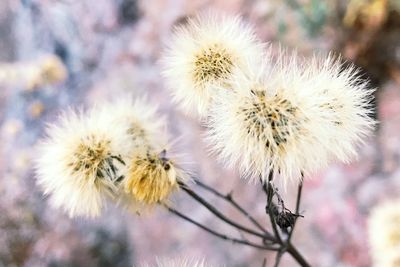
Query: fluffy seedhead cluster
x=113 y=150
x=290 y=118
x=281 y=114
x=384 y=234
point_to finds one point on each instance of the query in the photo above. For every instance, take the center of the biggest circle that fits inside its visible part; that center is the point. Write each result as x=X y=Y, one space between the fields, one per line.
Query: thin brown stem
x=217 y=234
x=297 y=256
x=221 y=216
x=297 y=211
x=270 y=194
x=285 y=245
x=229 y=198
x=278 y=257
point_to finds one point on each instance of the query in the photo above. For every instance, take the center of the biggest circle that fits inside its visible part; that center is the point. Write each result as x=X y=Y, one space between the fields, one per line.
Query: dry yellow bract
x=151 y=178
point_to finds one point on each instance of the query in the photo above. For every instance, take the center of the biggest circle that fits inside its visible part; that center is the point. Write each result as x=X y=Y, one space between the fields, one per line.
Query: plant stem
x=215 y=233
x=299 y=189
x=229 y=198
x=286 y=245
x=270 y=194
x=275 y=237
x=297 y=256
x=221 y=216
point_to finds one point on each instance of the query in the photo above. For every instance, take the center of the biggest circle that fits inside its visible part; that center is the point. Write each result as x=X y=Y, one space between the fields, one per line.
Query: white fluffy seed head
x=289 y=118
x=203 y=54
x=79 y=161
x=384 y=234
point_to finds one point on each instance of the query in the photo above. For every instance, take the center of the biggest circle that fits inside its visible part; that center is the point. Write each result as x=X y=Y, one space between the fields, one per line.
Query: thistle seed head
x=151 y=178
x=203 y=54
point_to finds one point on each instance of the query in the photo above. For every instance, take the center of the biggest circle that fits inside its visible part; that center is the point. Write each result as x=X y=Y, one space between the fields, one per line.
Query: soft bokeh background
x=60 y=53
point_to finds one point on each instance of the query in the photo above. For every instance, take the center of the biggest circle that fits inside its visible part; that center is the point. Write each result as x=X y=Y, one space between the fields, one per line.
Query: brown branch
x=297 y=256
x=229 y=198
x=270 y=194
x=285 y=245
x=297 y=211
x=221 y=216
x=217 y=234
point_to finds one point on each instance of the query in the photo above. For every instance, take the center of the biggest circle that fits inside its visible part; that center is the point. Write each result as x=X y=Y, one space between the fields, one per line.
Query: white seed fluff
x=179 y=262
x=203 y=54
x=145 y=128
x=384 y=234
x=290 y=118
x=77 y=161
x=346 y=105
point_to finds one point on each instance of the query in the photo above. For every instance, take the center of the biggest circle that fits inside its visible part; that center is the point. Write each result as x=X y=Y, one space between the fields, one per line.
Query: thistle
x=384 y=234
x=203 y=54
x=80 y=162
x=152 y=177
x=290 y=119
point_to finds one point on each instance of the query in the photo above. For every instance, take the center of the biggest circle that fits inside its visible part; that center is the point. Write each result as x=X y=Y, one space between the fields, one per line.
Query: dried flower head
x=384 y=234
x=151 y=177
x=285 y=119
x=204 y=53
x=80 y=161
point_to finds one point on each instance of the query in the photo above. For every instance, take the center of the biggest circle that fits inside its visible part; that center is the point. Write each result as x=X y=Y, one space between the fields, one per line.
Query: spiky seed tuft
x=151 y=178
x=384 y=234
x=204 y=54
x=79 y=161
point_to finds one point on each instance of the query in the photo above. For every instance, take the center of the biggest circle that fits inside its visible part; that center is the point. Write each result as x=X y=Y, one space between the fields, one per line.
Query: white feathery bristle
x=179 y=262
x=146 y=128
x=77 y=161
x=384 y=234
x=203 y=54
x=346 y=102
x=284 y=118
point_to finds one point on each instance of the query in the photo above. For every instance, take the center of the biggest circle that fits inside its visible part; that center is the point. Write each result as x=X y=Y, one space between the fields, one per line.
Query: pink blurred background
x=110 y=47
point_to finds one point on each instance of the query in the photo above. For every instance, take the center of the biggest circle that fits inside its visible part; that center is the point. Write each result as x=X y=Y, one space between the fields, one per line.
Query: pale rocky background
x=111 y=47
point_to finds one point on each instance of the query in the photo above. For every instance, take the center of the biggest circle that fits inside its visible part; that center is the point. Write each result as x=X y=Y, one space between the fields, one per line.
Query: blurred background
x=60 y=53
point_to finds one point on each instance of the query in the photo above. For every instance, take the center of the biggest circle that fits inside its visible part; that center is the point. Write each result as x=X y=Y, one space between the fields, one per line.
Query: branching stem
x=229 y=198
x=217 y=234
x=219 y=215
x=277 y=243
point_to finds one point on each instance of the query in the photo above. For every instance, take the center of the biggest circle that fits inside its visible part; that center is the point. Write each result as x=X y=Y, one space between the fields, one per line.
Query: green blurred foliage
x=395 y=4
x=312 y=16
